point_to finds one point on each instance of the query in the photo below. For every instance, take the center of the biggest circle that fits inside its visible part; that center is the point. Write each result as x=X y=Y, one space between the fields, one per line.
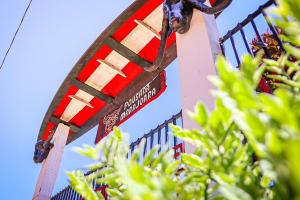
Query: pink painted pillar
x=51 y=165
x=197 y=51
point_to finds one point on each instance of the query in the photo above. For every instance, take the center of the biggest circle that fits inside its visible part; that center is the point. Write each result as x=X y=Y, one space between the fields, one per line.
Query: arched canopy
x=111 y=70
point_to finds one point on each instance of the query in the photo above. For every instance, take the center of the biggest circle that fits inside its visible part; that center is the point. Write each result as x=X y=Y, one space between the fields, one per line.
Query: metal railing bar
x=235 y=51
x=159 y=139
x=69 y=190
x=181 y=121
x=94 y=184
x=174 y=137
x=145 y=146
x=245 y=41
x=246 y=21
x=59 y=196
x=166 y=133
x=65 y=196
x=74 y=194
x=78 y=196
x=223 y=49
x=131 y=148
x=66 y=193
x=71 y=196
x=151 y=139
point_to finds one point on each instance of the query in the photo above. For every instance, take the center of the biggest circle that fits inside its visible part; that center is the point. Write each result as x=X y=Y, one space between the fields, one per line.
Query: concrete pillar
x=197 y=51
x=51 y=165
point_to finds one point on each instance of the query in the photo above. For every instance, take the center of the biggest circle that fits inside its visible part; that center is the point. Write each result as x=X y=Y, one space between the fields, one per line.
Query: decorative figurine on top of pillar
x=177 y=18
x=42 y=149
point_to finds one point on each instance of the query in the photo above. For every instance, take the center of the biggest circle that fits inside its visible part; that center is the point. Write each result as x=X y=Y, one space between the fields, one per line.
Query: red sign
x=142 y=97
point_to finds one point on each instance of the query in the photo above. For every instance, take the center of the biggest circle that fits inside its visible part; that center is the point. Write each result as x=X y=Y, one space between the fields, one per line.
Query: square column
x=51 y=164
x=197 y=51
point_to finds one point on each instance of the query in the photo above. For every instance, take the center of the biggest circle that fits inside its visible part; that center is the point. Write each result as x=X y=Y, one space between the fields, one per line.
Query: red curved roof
x=110 y=70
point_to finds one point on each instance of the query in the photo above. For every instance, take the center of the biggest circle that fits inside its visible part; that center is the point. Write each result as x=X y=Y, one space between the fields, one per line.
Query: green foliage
x=247 y=142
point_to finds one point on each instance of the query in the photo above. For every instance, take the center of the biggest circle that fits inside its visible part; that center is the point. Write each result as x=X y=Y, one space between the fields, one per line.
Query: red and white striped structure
x=110 y=67
x=107 y=70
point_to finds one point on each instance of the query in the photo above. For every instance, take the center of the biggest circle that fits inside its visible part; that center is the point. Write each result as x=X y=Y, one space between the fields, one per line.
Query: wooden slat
x=126 y=52
x=76 y=98
x=73 y=128
x=92 y=91
x=148 y=28
x=112 y=67
x=144 y=78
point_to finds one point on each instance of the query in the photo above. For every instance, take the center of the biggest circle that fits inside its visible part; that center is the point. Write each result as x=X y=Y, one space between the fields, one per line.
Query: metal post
x=175 y=138
x=159 y=139
x=167 y=133
x=237 y=57
x=145 y=146
x=245 y=40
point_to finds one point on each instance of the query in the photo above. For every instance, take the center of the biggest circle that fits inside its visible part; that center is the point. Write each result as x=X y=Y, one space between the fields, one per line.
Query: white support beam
x=148 y=28
x=197 y=51
x=51 y=165
x=112 y=67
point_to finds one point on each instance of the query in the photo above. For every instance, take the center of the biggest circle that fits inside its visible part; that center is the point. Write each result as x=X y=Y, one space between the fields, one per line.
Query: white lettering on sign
x=137 y=100
x=137 y=96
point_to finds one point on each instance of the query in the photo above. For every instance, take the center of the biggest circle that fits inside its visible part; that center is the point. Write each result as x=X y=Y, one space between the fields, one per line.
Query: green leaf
x=150 y=156
x=193 y=161
x=114 y=193
x=118 y=133
x=88 y=151
x=200 y=115
x=248 y=67
x=234 y=193
x=173 y=167
x=265 y=182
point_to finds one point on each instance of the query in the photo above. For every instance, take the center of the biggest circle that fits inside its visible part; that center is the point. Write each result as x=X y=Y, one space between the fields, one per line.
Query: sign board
x=141 y=98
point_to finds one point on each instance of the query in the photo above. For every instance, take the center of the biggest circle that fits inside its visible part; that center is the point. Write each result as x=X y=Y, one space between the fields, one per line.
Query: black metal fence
x=262 y=33
x=246 y=29
x=66 y=194
x=158 y=136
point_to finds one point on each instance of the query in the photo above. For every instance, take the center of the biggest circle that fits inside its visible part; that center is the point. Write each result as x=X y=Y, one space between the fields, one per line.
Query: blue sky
x=53 y=37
